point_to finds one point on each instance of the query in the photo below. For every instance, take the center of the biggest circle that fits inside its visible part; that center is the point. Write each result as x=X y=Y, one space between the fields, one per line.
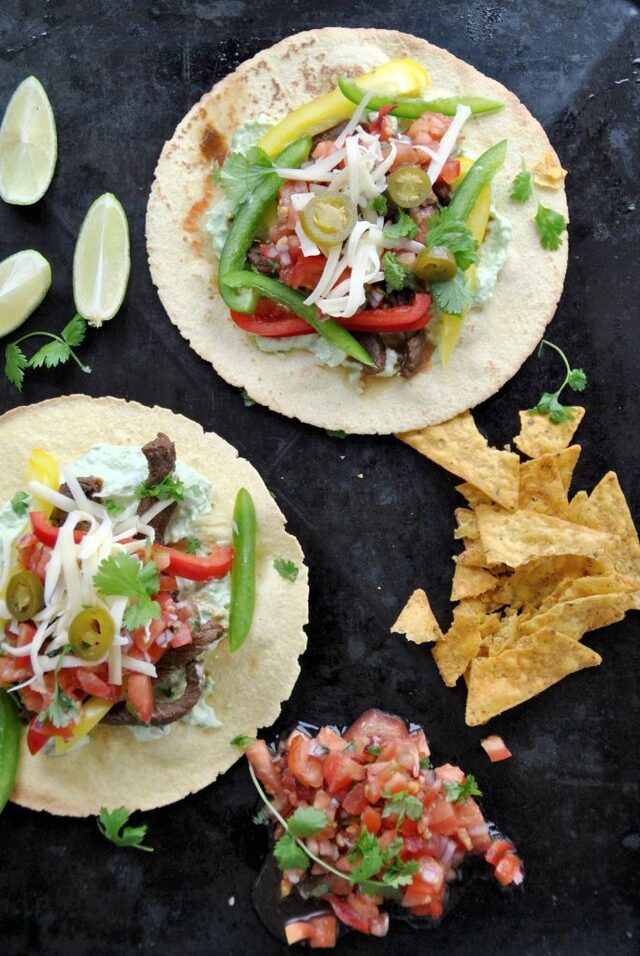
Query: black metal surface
x=375 y=519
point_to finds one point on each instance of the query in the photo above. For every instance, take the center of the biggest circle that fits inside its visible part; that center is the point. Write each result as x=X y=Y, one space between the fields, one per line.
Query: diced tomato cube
x=450 y=773
x=355 y=800
x=375 y=723
x=497 y=850
x=261 y=759
x=182 y=636
x=442 y=817
x=140 y=695
x=348 y=915
x=495 y=748
x=371 y=820
x=328 y=738
x=14 y=669
x=305 y=768
x=508 y=869
x=340 y=770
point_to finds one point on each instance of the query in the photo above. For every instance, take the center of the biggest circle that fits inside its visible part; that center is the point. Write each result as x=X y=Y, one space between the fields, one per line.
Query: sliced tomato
x=355 y=800
x=442 y=817
x=348 y=915
x=38 y=733
x=261 y=759
x=320 y=931
x=95 y=686
x=14 y=669
x=375 y=723
x=340 y=770
x=450 y=171
x=400 y=318
x=305 y=768
x=272 y=321
x=46 y=532
x=495 y=748
x=167 y=583
x=450 y=773
x=196 y=568
x=304 y=273
x=140 y=695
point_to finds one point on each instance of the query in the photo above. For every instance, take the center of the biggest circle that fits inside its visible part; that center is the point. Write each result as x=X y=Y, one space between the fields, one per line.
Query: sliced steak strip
x=164 y=712
x=161 y=459
x=268 y=267
x=413 y=355
x=374 y=345
x=91 y=486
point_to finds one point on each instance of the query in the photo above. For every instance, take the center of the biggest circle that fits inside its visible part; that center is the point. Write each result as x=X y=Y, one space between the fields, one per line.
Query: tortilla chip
x=614 y=516
x=459 y=645
x=470 y=582
x=574 y=618
x=516 y=538
x=540 y=436
x=599 y=584
x=566 y=461
x=541 y=487
x=467 y=524
x=458 y=446
x=582 y=511
x=417 y=621
x=473 y=495
x=473 y=555
x=501 y=682
x=504 y=637
x=548 y=173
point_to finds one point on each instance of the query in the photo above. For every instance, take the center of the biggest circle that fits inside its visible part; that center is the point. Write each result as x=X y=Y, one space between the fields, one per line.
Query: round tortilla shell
x=495 y=340
x=249 y=685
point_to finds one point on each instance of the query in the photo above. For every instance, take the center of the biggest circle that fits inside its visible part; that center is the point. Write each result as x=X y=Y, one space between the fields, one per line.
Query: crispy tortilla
x=249 y=686
x=495 y=340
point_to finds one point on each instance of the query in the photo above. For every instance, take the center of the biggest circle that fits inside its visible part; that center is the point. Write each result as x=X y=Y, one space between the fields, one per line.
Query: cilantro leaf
x=550 y=225
x=289 y=855
x=549 y=403
x=459 y=792
x=400 y=873
x=241 y=741
x=15 y=362
x=452 y=296
x=170 y=488
x=374 y=749
x=20 y=503
x=404 y=805
x=112 y=826
x=123 y=575
x=241 y=173
x=74 y=332
x=246 y=398
x=446 y=232
x=521 y=187
x=425 y=763
x=396 y=274
x=403 y=226
x=379 y=205
x=51 y=355
x=306 y=822
x=193 y=546
x=335 y=433
x=367 y=847
x=112 y=506
x=286 y=569
x=62 y=710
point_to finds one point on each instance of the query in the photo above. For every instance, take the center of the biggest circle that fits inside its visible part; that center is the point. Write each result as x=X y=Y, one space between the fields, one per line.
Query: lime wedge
x=25 y=278
x=28 y=145
x=101 y=261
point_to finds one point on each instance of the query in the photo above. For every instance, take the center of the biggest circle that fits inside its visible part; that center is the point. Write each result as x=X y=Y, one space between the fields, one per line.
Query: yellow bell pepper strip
x=247 y=222
x=471 y=205
x=399 y=77
x=93 y=710
x=9 y=746
x=412 y=108
x=330 y=330
x=42 y=467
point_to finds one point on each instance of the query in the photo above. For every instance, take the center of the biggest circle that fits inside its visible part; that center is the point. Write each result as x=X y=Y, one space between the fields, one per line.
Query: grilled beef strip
x=373 y=344
x=414 y=354
x=91 y=486
x=161 y=458
x=262 y=264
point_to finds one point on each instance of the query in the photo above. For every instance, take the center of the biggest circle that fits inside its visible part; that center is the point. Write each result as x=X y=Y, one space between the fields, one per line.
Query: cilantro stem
x=56 y=338
x=564 y=359
x=281 y=820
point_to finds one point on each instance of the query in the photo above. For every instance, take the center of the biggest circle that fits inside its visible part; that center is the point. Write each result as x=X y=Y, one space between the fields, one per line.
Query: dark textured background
x=120 y=76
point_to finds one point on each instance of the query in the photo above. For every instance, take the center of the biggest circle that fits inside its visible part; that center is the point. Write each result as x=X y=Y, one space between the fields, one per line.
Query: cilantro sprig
x=379 y=205
x=521 y=187
x=56 y=352
x=112 y=826
x=242 y=741
x=242 y=172
x=403 y=227
x=550 y=225
x=549 y=403
x=125 y=576
x=397 y=276
x=453 y=296
x=404 y=805
x=286 y=569
x=291 y=853
x=171 y=488
x=20 y=503
x=112 y=506
x=62 y=710
x=459 y=792
x=445 y=231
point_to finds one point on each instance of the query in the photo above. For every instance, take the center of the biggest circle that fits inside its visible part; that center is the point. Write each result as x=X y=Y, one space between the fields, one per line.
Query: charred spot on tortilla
x=213 y=145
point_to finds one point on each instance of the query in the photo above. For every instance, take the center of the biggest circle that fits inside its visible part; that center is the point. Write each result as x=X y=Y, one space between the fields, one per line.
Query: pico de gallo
x=114 y=586
x=357 y=221
x=365 y=825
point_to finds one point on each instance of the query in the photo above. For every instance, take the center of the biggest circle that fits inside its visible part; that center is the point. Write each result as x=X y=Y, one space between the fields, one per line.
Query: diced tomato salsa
x=376 y=780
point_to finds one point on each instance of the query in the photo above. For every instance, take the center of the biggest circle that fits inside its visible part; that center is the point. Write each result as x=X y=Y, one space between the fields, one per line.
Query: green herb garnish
x=550 y=404
x=459 y=792
x=286 y=569
x=379 y=205
x=246 y=398
x=550 y=225
x=241 y=173
x=171 y=488
x=241 y=741
x=56 y=352
x=403 y=804
x=396 y=274
x=20 y=503
x=449 y=233
x=192 y=545
x=335 y=433
x=404 y=226
x=521 y=187
x=63 y=709
x=112 y=826
x=125 y=576
x=452 y=296
x=113 y=508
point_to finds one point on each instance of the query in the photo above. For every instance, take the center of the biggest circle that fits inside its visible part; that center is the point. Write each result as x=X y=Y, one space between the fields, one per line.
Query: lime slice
x=28 y=145
x=101 y=261
x=25 y=278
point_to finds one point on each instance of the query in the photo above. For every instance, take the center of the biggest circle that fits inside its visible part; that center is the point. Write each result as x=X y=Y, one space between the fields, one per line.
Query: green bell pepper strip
x=243 y=572
x=415 y=107
x=269 y=288
x=480 y=174
x=247 y=222
x=9 y=746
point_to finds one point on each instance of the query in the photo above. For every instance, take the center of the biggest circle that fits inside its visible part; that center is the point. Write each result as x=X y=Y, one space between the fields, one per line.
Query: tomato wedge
x=140 y=695
x=271 y=321
x=400 y=318
x=46 y=532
